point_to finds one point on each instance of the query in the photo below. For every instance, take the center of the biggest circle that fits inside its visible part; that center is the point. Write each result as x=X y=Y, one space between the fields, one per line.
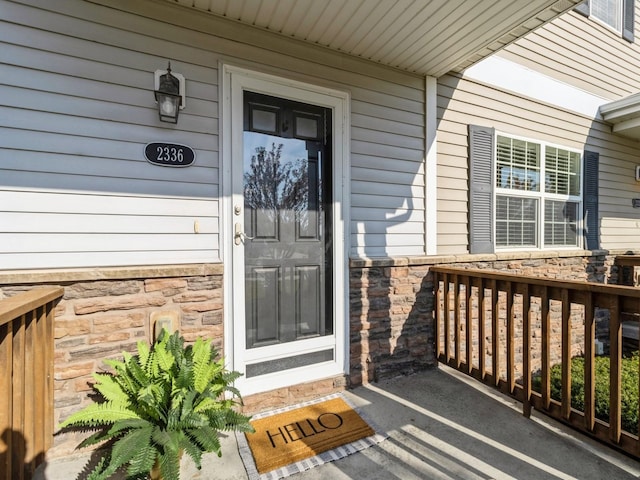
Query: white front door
x=288 y=288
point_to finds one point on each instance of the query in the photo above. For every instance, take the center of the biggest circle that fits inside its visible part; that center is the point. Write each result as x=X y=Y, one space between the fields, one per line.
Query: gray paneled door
x=287 y=234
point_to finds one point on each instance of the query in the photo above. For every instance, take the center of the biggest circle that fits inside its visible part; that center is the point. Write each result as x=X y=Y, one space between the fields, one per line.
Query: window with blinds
x=616 y=14
x=538 y=194
x=608 y=11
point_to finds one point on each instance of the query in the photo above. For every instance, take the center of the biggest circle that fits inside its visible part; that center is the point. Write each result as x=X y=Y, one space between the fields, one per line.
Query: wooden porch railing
x=26 y=381
x=505 y=330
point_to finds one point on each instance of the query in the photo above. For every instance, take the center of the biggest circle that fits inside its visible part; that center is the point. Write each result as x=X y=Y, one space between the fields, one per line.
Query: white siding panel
x=113 y=111
x=26 y=179
x=88 y=258
x=103 y=242
x=582 y=52
x=377 y=124
x=17 y=222
x=378 y=112
x=371 y=241
x=77 y=113
x=381 y=176
x=387 y=164
x=384 y=138
x=375 y=201
x=77 y=109
x=204 y=171
x=399 y=215
x=117 y=205
x=380 y=227
x=406 y=192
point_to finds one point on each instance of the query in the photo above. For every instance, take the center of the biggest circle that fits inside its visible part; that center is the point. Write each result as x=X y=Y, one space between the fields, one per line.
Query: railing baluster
x=526 y=349
x=545 y=387
x=447 y=320
x=615 y=380
x=511 y=320
x=456 y=320
x=29 y=399
x=589 y=367
x=495 y=333
x=482 y=340
x=469 y=324
x=566 y=354
x=48 y=347
x=39 y=386
x=437 y=293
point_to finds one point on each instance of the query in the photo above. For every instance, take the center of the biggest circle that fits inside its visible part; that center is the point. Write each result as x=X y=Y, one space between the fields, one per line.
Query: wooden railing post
x=26 y=380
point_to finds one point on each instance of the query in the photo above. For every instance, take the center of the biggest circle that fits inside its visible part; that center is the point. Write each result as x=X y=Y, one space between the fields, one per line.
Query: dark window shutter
x=481 y=208
x=628 y=19
x=583 y=8
x=591 y=220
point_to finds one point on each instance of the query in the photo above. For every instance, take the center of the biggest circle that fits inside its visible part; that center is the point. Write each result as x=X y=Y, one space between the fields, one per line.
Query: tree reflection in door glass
x=276 y=179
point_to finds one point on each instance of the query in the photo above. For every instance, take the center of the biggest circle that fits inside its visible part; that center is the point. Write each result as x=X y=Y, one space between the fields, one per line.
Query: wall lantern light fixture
x=170 y=94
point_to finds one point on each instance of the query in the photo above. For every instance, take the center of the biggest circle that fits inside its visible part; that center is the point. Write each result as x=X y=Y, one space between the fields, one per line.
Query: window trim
x=620 y=19
x=540 y=195
x=627 y=20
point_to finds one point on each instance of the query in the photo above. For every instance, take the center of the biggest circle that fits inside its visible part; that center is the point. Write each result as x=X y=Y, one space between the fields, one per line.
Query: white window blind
x=538 y=194
x=608 y=11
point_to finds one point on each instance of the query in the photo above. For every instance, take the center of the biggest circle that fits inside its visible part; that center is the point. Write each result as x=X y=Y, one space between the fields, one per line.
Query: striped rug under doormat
x=297 y=438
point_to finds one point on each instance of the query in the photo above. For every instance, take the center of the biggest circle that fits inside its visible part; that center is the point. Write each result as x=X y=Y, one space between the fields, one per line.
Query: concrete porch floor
x=441 y=425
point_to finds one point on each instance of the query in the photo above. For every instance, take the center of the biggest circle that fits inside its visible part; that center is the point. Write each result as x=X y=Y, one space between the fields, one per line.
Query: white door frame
x=233 y=81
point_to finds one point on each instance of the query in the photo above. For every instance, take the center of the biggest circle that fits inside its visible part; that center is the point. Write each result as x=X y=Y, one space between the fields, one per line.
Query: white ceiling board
x=428 y=37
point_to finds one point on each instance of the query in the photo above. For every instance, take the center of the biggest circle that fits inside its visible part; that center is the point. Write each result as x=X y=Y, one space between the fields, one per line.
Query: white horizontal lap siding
x=582 y=52
x=85 y=229
x=109 y=64
x=75 y=115
x=387 y=175
x=475 y=103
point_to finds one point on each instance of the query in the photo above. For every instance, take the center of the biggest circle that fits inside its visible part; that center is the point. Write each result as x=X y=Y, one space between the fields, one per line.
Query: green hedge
x=629 y=387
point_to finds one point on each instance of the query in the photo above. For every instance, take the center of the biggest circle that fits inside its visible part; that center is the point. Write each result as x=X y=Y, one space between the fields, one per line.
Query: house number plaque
x=169 y=154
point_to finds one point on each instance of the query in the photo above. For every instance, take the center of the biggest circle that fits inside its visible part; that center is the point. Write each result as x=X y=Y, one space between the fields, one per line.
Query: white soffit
x=427 y=37
x=624 y=115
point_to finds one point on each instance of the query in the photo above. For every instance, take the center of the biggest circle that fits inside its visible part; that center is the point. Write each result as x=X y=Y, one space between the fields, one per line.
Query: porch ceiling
x=624 y=116
x=427 y=37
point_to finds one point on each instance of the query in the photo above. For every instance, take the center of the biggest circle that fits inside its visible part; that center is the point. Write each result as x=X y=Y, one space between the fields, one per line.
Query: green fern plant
x=166 y=400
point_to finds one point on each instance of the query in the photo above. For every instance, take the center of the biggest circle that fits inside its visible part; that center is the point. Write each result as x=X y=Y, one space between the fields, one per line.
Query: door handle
x=239 y=236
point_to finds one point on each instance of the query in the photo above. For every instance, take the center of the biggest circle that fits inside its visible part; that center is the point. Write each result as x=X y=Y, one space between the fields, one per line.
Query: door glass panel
x=288 y=256
x=296 y=361
x=264 y=120
x=306 y=127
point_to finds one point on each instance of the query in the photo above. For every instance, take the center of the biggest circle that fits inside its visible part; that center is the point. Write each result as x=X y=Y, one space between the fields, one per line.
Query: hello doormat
x=298 y=438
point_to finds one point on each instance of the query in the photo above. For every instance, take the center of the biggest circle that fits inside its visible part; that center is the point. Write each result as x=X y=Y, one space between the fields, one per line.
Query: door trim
x=233 y=81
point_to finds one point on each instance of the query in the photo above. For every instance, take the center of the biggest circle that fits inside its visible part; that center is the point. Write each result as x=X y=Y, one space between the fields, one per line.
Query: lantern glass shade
x=168 y=106
x=168 y=97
